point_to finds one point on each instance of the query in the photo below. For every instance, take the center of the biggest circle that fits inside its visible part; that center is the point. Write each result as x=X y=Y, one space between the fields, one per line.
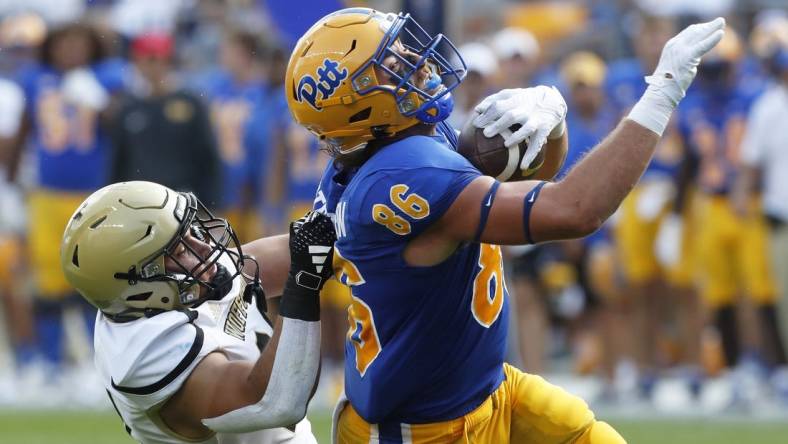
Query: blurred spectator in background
x=200 y=31
x=133 y=18
x=765 y=167
x=235 y=92
x=482 y=66
x=583 y=74
x=590 y=118
x=656 y=283
x=296 y=161
x=14 y=309
x=518 y=55
x=67 y=95
x=54 y=12
x=270 y=126
x=659 y=288
x=162 y=134
x=305 y=165
x=732 y=249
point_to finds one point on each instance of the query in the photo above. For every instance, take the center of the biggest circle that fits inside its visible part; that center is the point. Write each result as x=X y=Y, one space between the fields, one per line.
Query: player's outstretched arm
x=578 y=204
x=241 y=396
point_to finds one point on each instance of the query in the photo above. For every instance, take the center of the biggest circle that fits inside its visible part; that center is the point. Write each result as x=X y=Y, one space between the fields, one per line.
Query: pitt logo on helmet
x=329 y=77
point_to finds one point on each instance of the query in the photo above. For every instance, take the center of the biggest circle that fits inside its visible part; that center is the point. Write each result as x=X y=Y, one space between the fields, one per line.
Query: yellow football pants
x=524 y=409
x=635 y=237
x=733 y=254
x=49 y=213
x=246 y=223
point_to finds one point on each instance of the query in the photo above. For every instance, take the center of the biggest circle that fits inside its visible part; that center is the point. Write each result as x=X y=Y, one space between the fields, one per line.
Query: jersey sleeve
x=404 y=200
x=154 y=362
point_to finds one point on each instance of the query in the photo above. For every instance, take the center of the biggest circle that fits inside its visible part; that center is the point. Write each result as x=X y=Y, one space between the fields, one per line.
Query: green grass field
x=105 y=428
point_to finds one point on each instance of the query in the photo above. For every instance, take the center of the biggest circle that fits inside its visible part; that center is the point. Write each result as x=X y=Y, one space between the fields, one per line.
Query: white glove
x=539 y=110
x=667 y=245
x=675 y=71
x=80 y=87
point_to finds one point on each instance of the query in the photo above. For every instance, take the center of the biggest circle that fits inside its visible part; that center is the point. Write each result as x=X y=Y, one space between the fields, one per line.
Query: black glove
x=311 y=253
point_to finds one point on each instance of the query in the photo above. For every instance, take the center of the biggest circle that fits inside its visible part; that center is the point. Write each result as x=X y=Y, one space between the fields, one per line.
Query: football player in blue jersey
x=733 y=253
x=67 y=95
x=652 y=234
x=237 y=96
x=418 y=227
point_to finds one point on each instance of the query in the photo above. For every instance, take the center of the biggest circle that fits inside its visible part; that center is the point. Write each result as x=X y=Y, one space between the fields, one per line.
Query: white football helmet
x=115 y=244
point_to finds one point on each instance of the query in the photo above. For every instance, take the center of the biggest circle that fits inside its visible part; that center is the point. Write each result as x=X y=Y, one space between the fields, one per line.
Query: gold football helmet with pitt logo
x=359 y=74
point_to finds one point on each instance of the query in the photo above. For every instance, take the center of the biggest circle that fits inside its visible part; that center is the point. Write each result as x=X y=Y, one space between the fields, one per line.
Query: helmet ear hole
x=352 y=47
x=361 y=115
x=139 y=297
x=75 y=257
x=98 y=222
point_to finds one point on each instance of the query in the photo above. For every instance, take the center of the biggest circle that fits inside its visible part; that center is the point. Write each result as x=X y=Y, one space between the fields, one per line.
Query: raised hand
x=681 y=55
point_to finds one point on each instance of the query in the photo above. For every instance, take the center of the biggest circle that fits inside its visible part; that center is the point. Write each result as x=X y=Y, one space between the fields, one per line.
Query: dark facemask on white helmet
x=225 y=254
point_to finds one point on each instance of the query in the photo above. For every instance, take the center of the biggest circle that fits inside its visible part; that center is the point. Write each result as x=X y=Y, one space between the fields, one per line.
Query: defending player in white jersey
x=181 y=314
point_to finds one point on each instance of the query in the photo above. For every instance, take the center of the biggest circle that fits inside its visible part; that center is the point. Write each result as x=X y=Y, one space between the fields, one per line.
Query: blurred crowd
x=680 y=300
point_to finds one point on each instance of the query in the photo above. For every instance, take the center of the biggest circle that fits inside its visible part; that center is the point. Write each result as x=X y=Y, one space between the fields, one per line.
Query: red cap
x=152 y=45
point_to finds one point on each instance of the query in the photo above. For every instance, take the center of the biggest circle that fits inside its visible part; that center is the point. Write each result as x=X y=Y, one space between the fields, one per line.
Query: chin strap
x=255 y=289
x=222 y=283
x=437 y=111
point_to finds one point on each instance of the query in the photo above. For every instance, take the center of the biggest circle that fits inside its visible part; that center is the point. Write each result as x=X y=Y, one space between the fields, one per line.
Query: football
x=493 y=158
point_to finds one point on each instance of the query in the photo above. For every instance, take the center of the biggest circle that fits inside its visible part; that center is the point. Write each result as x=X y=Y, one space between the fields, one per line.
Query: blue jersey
x=624 y=83
x=303 y=172
x=425 y=344
x=239 y=114
x=712 y=123
x=71 y=149
x=305 y=161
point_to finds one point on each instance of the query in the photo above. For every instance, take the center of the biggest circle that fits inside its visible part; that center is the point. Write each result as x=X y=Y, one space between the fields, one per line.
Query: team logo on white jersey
x=235 y=324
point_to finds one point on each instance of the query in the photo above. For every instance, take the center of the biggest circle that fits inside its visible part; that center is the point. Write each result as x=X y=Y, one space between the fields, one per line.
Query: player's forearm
x=292 y=353
x=555 y=154
x=595 y=187
x=281 y=381
x=273 y=256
